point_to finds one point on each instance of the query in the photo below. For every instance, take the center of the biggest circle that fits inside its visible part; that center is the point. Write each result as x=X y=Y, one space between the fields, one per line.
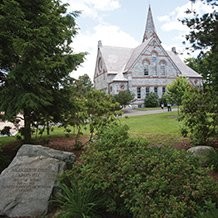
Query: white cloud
x=171 y=21
x=104 y=5
x=87 y=41
x=174 y=25
x=92 y=8
x=109 y=34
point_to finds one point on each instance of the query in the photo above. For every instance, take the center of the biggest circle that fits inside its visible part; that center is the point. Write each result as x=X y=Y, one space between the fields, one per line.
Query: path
x=131 y=113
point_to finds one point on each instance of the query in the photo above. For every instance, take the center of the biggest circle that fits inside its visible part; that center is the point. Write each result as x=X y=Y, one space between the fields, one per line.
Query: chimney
x=174 y=50
x=99 y=44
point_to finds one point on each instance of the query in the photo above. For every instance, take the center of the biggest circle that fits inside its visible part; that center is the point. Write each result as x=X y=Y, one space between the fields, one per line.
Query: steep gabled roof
x=183 y=68
x=149 y=28
x=115 y=57
x=136 y=53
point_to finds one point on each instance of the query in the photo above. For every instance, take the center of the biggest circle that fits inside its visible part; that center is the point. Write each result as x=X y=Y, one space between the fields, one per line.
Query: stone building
x=141 y=70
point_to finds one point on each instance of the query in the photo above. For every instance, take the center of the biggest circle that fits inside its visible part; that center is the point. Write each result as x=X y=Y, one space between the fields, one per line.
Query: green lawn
x=157 y=128
x=6 y=140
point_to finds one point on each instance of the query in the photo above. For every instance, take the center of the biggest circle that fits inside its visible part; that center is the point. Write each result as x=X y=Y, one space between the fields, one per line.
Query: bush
x=199 y=116
x=124 y=97
x=77 y=202
x=212 y=160
x=209 y=214
x=145 y=181
x=151 y=100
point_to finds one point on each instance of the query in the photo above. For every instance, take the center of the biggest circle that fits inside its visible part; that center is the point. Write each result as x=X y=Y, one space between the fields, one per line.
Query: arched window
x=146 y=64
x=162 y=67
x=154 y=55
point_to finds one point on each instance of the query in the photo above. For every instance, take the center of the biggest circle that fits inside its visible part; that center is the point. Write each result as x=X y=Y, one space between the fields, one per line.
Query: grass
x=6 y=140
x=157 y=128
x=56 y=132
x=160 y=128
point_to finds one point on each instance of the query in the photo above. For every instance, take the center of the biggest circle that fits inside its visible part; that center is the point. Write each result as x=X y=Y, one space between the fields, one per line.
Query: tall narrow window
x=156 y=90
x=147 y=90
x=146 y=66
x=138 y=92
x=146 y=70
x=154 y=57
x=162 y=67
x=163 y=90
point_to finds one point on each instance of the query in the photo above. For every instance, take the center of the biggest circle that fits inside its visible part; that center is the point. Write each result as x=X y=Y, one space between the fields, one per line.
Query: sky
x=122 y=23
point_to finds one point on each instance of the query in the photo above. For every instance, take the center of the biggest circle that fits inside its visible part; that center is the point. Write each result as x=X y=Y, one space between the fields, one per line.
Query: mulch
x=68 y=144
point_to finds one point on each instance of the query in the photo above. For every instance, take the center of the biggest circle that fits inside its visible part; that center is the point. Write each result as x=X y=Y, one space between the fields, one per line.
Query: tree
x=204 y=103
x=203 y=37
x=124 y=97
x=35 y=57
x=151 y=100
x=91 y=107
x=177 y=89
x=198 y=115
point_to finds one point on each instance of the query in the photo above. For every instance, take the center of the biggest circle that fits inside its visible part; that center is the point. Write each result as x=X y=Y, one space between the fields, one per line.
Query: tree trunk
x=47 y=127
x=27 y=126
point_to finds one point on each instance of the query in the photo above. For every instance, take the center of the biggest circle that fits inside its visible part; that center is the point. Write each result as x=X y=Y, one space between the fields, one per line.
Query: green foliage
x=203 y=37
x=164 y=100
x=92 y=107
x=151 y=100
x=75 y=201
x=177 y=89
x=124 y=97
x=36 y=59
x=199 y=115
x=209 y=214
x=136 y=179
x=212 y=160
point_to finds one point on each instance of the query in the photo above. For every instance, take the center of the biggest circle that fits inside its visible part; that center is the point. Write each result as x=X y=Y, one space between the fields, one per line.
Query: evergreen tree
x=199 y=109
x=203 y=37
x=124 y=97
x=35 y=57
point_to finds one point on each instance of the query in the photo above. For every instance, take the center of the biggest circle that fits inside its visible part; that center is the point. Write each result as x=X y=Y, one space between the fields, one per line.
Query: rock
x=201 y=151
x=38 y=150
x=28 y=182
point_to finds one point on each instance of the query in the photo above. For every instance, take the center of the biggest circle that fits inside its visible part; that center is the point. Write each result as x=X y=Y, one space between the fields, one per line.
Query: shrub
x=212 y=160
x=145 y=181
x=209 y=214
x=77 y=202
x=199 y=115
x=124 y=97
x=151 y=100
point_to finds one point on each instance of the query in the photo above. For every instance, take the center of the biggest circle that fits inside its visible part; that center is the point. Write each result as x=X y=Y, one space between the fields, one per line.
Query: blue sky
x=122 y=23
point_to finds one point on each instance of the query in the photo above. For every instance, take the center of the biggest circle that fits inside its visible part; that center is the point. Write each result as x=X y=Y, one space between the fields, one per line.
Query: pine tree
x=35 y=56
